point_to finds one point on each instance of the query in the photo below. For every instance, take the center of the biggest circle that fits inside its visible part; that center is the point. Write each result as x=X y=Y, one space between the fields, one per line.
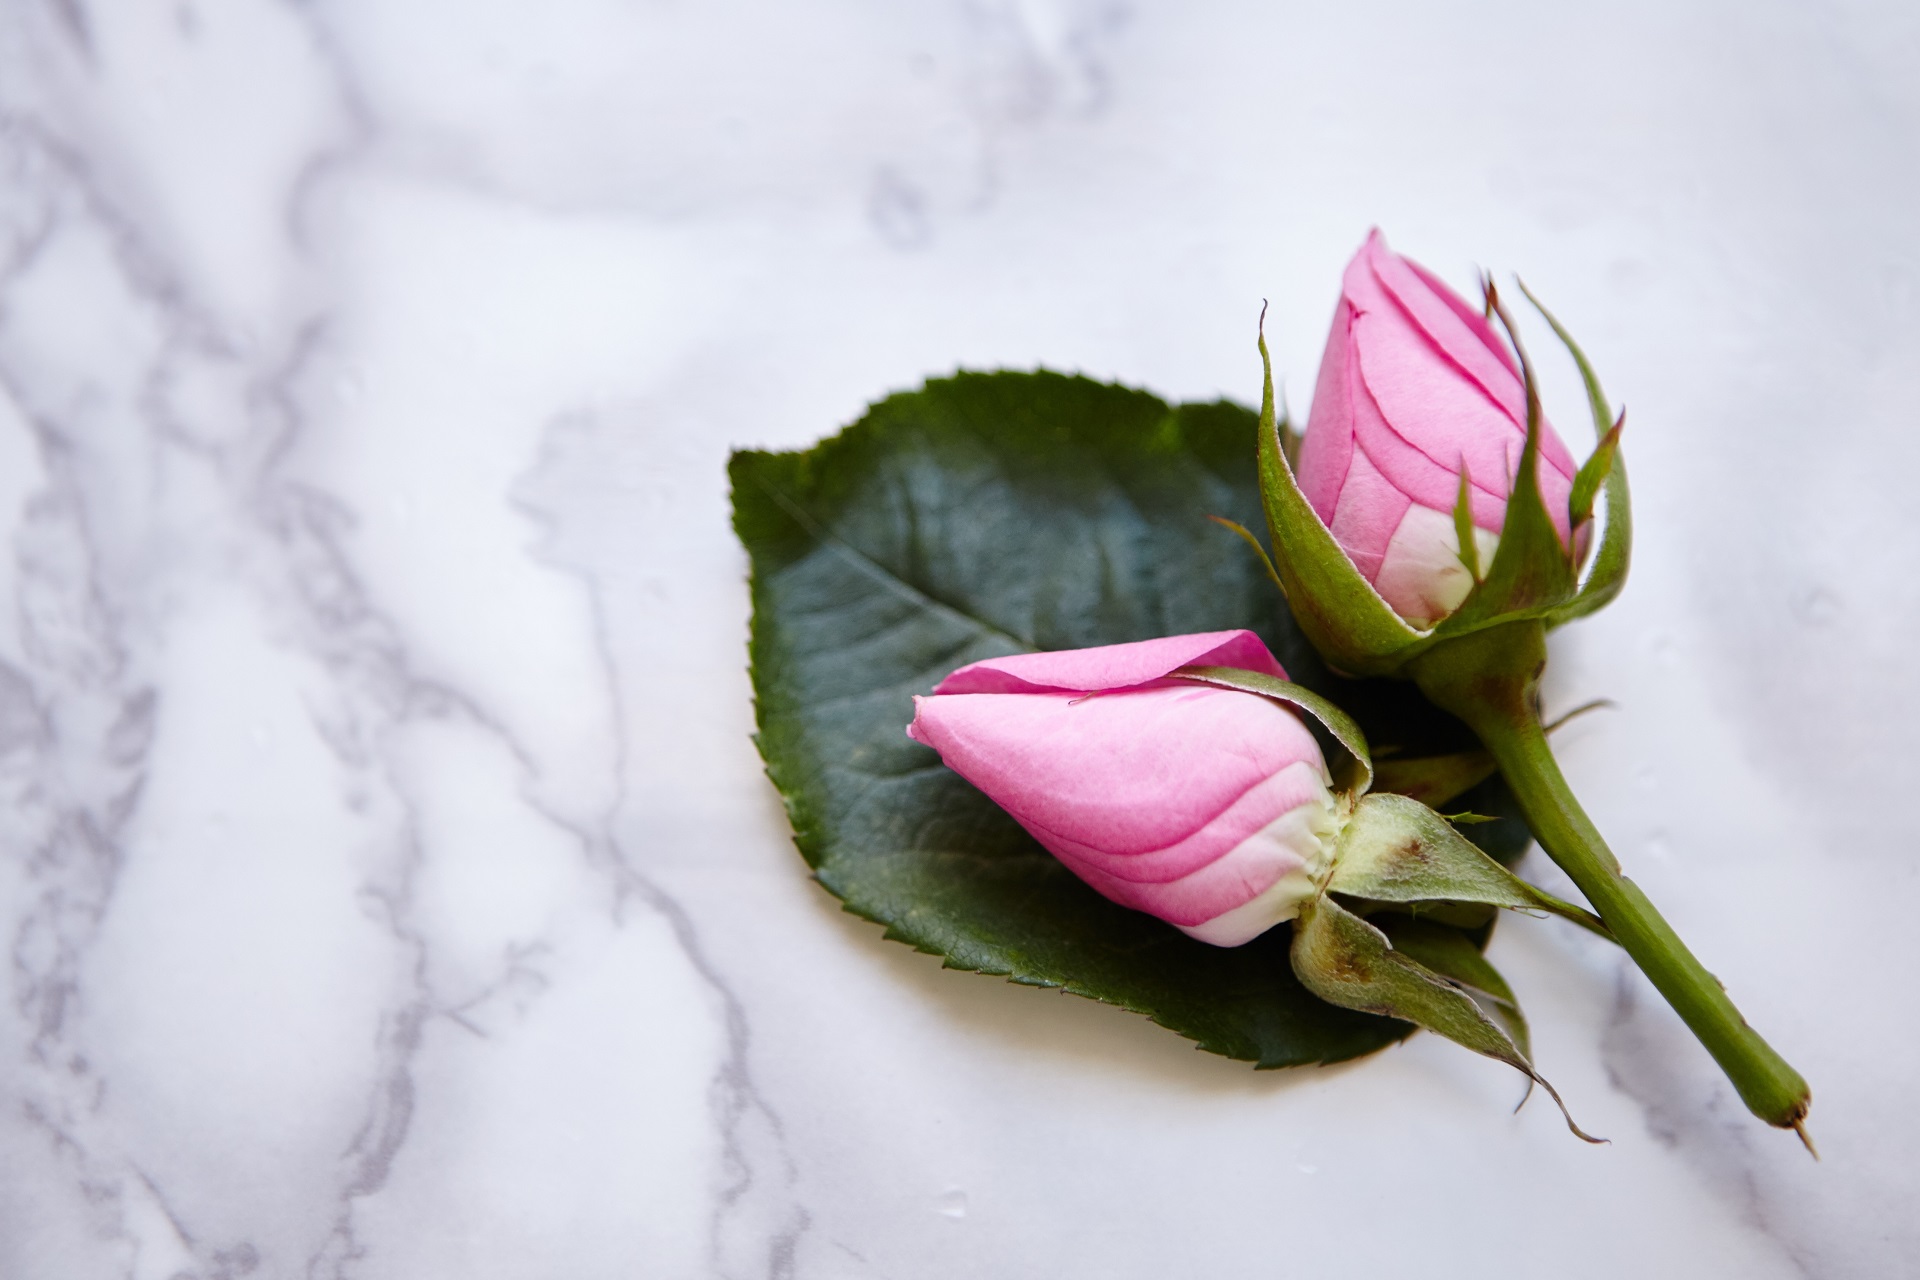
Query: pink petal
x=1418 y=417
x=1246 y=814
x=1465 y=337
x=1225 y=865
x=1422 y=480
x=1436 y=313
x=1473 y=317
x=1463 y=332
x=1114 y=666
x=1326 y=450
x=1370 y=510
x=1422 y=575
x=1126 y=773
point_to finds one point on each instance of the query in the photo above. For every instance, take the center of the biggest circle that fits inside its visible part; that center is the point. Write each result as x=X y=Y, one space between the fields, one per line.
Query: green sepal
x=1452 y=954
x=1463 y=523
x=1532 y=571
x=1607 y=572
x=1342 y=615
x=1434 y=780
x=1337 y=723
x=1348 y=962
x=1455 y=915
x=1593 y=473
x=1397 y=850
x=1291 y=437
x=1246 y=536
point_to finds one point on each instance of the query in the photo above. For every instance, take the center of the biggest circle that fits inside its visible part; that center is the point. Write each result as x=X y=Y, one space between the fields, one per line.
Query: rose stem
x=1490 y=679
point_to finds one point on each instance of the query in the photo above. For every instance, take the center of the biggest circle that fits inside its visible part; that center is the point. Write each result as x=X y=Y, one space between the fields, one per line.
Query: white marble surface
x=390 y=887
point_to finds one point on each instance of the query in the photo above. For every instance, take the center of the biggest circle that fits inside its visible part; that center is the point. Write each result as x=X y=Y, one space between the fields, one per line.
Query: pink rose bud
x=1415 y=386
x=1207 y=807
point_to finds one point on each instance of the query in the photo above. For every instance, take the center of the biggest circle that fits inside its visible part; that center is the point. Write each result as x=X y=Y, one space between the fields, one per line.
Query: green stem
x=1490 y=679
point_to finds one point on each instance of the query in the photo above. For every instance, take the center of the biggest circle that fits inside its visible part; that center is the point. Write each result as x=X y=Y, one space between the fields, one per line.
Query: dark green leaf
x=983 y=515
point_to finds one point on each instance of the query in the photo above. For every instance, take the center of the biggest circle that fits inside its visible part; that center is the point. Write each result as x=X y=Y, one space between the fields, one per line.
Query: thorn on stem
x=1800 y=1127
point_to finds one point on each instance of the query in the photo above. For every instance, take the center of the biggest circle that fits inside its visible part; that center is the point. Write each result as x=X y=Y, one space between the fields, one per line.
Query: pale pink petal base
x=1421 y=575
x=1308 y=833
x=1368 y=515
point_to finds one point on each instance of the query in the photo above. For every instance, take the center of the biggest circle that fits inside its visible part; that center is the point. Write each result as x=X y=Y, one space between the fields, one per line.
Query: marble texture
x=389 y=884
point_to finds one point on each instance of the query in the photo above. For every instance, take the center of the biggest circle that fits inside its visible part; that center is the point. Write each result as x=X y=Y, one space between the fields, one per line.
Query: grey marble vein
x=389 y=884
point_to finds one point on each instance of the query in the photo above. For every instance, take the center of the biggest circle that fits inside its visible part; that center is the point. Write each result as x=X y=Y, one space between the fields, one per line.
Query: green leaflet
x=1463 y=523
x=981 y=515
x=1247 y=536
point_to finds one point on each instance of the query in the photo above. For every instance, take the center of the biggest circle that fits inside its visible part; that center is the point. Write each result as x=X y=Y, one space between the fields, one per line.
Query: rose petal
x=1370 y=511
x=1127 y=773
x=1327 y=448
x=1471 y=316
x=1275 y=831
x=1114 y=666
x=1418 y=416
x=1436 y=314
x=1422 y=575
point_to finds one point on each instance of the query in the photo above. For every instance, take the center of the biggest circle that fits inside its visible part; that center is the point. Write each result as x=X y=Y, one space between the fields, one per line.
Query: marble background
x=388 y=884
